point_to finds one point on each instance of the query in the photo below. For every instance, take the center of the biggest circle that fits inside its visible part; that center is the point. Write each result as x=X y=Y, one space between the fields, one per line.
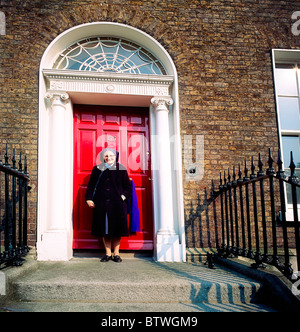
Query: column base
x=55 y=246
x=167 y=248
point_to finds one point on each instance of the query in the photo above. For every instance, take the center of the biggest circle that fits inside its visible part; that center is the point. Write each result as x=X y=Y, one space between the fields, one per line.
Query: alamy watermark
x=2 y=283
x=296 y=284
x=138 y=158
x=296 y=25
x=2 y=24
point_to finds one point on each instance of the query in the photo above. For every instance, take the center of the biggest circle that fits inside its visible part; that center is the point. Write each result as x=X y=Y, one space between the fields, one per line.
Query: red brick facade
x=222 y=52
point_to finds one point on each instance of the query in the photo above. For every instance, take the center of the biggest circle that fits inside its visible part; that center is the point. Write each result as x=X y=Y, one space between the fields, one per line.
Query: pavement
x=83 y=284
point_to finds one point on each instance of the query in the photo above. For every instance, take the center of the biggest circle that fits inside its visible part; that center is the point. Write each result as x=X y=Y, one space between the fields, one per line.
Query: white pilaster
x=57 y=146
x=55 y=239
x=167 y=241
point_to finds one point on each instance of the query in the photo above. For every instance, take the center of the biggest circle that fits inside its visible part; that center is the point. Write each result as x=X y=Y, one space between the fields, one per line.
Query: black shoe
x=117 y=259
x=106 y=258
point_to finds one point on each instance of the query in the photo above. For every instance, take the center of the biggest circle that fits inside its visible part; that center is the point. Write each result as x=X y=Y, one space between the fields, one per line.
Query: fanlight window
x=106 y=54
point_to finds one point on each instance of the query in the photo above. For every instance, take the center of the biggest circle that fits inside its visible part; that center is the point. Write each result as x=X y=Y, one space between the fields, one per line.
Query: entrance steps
x=136 y=284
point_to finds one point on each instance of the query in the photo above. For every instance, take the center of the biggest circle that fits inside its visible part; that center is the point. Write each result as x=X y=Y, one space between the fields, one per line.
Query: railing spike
x=235 y=177
x=270 y=170
x=20 y=163
x=253 y=175
x=292 y=165
x=293 y=177
x=25 y=166
x=279 y=161
x=14 y=159
x=6 y=157
x=280 y=172
x=240 y=174
x=229 y=176
x=260 y=166
x=246 y=178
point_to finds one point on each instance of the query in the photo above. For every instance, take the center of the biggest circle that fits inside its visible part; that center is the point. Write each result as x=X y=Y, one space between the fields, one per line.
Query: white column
x=57 y=152
x=54 y=242
x=166 y=239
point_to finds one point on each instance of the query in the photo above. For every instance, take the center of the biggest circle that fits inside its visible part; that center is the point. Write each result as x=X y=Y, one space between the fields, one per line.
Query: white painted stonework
x=59 y=90
x=94 y=82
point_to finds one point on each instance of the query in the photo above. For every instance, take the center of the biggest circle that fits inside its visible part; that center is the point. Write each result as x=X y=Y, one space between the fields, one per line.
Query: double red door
x=126 y=130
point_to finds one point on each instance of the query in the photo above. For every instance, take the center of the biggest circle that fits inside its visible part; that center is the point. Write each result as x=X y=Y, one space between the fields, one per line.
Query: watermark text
x=2 y=24
x=296 y=284
x=138 y=157
x=296 y=25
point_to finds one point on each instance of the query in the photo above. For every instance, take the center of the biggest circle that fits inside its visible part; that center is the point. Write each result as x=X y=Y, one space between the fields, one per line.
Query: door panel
x=87 y=139
x=126 y=130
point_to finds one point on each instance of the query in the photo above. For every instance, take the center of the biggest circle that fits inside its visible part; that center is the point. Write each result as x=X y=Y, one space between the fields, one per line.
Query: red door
x=126 y=130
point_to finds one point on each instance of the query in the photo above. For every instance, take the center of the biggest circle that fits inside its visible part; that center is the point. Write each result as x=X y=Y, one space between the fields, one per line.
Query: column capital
x=59 y=98
x=161 y=103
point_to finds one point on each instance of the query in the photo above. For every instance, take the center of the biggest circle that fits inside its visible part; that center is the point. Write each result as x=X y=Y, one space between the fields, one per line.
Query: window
x=107 y=54
x=287 y=85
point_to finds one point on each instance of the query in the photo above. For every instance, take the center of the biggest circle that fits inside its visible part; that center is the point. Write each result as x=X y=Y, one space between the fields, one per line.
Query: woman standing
x=107 y=193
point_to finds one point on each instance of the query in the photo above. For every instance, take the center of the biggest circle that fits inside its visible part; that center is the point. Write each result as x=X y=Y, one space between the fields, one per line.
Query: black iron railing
x=14 y=188
x=248 y=215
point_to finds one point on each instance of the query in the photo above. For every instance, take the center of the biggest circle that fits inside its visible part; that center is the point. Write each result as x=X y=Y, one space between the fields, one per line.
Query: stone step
x=134 y=281
x=50 y=306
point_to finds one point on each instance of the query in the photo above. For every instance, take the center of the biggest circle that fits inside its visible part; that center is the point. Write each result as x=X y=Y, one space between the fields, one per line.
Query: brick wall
x=222 y=51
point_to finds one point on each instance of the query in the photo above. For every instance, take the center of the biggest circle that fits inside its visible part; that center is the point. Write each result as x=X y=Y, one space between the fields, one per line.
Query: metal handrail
x=14 y=211
x=247 y=215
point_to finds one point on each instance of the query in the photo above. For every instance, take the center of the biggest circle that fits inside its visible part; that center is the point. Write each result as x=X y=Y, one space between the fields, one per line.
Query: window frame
x=292 y=58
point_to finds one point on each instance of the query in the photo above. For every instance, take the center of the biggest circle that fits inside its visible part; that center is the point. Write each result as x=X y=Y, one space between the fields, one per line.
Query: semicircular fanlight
x=107 y=54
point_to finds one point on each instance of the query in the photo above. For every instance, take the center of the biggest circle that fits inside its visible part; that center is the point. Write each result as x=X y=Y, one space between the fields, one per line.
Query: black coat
x=113 y=183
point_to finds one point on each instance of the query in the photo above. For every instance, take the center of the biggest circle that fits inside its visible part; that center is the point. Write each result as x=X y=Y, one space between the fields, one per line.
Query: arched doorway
x=62 y=86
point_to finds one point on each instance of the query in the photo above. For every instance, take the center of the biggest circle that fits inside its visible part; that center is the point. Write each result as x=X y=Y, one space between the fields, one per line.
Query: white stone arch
x=57 y=92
